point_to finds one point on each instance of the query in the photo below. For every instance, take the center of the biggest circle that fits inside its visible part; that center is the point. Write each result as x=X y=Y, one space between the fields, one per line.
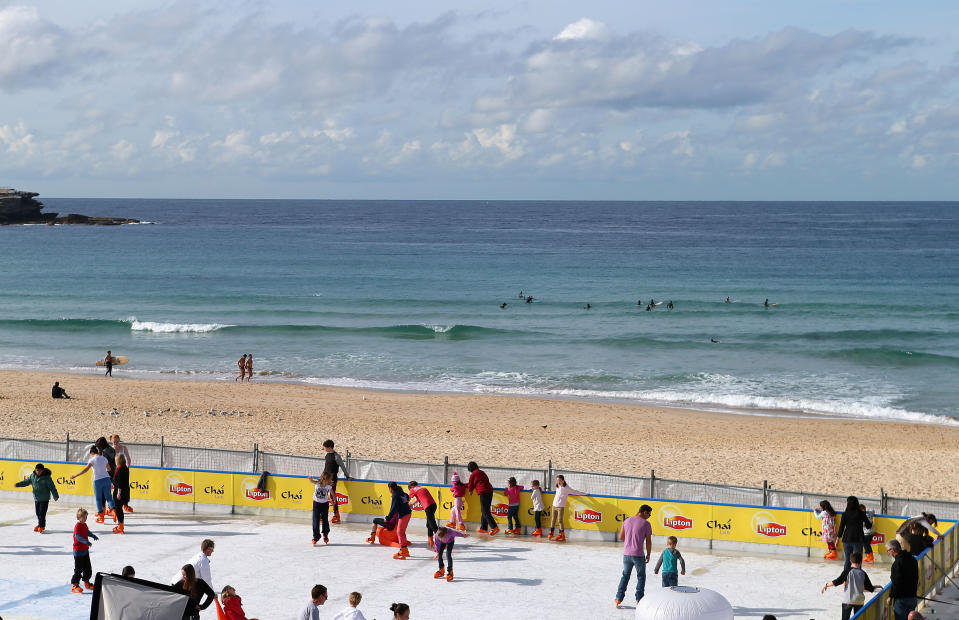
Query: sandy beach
x=824 y=455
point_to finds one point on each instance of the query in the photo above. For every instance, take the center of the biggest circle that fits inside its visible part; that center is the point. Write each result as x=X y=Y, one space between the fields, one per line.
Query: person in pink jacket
x=445 y=537
x=458 y=489
x=512 y=492
x=563 y=491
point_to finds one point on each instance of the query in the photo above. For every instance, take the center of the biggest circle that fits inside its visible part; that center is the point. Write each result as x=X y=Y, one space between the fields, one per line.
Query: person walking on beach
x=856 y=585
x=635 y=534
x=43 y=488
x=538 y=508
x=332 y=464
x=851 y=528
x=426 y=501
x=241 y=364
x=445 y=537
x=121 y=491
x=828 y=516
x=249 y=367
x=108 y=362
x=458 y=490
x=563 y=491
x=480 y=484
x=57 y=391
x=81 y=553
x=321 y=506
x=512 y=492
x=101 y=483
x=904 y=578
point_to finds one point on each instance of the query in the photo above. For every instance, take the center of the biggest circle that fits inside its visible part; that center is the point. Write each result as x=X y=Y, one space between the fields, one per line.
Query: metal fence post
x=256 y=457
x=67 y=457
x=652 y=484
x=446 y=468
x=161 y=450
x=549 y=475
x=765 y=492
x=348 y=469
x=883 y=502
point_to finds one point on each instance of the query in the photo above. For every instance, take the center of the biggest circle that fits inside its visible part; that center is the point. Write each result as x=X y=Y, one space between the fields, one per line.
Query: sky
x=493 y=100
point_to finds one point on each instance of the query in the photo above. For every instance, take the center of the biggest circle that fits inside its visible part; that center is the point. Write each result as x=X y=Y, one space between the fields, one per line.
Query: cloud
x=585 y=28
x=32 y=50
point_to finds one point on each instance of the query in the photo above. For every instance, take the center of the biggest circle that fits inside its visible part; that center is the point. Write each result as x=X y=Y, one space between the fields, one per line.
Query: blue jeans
x=629 y=563
x=512 y=516
x=902 y=606
x=101 y=492
x=670 y=579
x=849 y=548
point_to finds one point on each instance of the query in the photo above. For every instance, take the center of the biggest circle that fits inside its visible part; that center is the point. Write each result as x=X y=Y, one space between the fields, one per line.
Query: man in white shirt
x=312 y=609
x=201 y=564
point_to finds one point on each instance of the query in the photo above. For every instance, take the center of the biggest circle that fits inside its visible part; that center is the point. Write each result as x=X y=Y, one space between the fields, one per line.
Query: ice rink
x=272 y=565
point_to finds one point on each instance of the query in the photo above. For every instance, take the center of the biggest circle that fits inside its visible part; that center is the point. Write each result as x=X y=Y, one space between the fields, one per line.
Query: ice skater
x=428 y=504
x=321 y=506
x=121 y=491
x=563 y=491
x=352 y=612
x=398 y=517
x=512 y=492
x=828 y=516
x=332 y=464
x=196 y=588
x=458 y=490
x=480 y=484
x=81 y=553
x=445 y=537
x=539 y=507
x=233 y=604
x=43 y=488
x=667 y=561
x=856 y=584
x=101 y=483
x=118 y=449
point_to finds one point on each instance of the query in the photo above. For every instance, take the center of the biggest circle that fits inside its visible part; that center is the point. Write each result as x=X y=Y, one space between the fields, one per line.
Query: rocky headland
x=17 y=207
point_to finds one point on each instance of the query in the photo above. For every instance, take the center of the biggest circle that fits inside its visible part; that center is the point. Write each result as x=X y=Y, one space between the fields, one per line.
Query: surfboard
x=118 y=360
x=658 y=303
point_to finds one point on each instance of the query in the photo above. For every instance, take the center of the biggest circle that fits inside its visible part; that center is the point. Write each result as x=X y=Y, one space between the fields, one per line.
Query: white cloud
x=32 y=50
x=123 y=150
x=584 y=28
x=504 y=139
x=897 y=127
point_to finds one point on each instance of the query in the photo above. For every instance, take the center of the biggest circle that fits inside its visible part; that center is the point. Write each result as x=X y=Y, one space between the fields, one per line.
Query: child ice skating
x=81 y=553
x=398 y=517
x=828 y=516
x=458 y=489
x=426 y=501
x=538 y=508
x=351 y=612
x=513 y=491
x=43 y=488
x=321 y=506
x=121 y=491
x=101 y=483
x=445 y=537
x=667 y=561
x=855 y=582
x=233 y=604
x=563 y=491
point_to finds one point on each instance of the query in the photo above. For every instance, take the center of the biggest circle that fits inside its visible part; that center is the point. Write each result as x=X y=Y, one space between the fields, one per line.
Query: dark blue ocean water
x=406 y=295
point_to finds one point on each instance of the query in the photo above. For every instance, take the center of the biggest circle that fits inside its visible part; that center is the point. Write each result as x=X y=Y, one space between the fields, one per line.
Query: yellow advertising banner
x=12 y=472
x=245 y=492
x=213 y=488
x=362 y=497
x=161 y=485
x=291 y=493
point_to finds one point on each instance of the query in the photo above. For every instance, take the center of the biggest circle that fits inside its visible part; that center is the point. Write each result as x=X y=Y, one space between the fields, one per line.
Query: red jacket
x=234 y=609
x=479 y=482
x=81 y=533
x=423 y=496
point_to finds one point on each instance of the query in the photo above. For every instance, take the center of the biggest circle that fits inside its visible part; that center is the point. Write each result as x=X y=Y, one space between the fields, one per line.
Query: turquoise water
x=406 y=295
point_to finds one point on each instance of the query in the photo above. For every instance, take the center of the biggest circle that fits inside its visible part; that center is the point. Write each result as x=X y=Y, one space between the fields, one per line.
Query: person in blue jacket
x=398 y=517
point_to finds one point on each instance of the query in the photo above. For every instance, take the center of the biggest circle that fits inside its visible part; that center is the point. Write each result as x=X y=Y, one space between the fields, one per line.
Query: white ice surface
x=273 y=566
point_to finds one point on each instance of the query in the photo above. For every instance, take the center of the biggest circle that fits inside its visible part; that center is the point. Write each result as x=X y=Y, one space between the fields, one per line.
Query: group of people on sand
x=245 y=364
x=856 y=529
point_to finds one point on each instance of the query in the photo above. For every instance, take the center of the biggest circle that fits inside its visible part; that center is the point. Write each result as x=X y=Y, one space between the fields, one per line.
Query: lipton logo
x=764 y=524
x=251 y=492
x=670 y=516
x=176 y=485
x=415 y=505
x=499 y=510
x=878 y=538
x=587 y=515
x=24 y=473
x=342 y=499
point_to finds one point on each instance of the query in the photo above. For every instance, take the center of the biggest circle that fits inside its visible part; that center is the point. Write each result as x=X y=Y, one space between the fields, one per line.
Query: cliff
x=18 y=207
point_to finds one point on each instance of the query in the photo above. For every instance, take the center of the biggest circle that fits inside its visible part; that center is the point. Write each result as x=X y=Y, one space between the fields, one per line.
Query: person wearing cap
x=458 y=489
x=43 y=488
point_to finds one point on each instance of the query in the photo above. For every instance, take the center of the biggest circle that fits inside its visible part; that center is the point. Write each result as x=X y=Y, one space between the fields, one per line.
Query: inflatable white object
x=683 y=603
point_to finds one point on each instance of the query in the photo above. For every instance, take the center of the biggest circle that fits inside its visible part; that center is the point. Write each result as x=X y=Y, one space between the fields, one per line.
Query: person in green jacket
x=43 y=487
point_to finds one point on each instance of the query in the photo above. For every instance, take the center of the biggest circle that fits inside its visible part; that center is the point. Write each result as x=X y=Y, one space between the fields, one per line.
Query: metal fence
x=593 y=483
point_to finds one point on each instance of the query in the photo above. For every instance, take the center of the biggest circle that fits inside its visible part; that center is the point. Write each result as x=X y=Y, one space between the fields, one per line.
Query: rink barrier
x=616 y=485
x=936 y=565
x=596 y=517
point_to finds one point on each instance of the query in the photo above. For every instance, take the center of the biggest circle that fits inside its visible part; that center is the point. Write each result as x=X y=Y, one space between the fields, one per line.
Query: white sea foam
x=174 y=328
x=439 y=329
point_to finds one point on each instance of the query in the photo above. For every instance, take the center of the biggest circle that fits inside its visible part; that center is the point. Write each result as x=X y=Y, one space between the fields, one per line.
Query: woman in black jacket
x=851 y=527
x=195 y=589
x=121 y=490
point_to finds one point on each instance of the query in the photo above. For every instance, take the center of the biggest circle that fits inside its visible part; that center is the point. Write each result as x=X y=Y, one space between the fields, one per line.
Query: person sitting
x=59 y=392
x=233 y=604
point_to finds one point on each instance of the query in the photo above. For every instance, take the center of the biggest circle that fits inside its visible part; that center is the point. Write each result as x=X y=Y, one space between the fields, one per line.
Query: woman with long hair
x=852 y=529
x=195 y=589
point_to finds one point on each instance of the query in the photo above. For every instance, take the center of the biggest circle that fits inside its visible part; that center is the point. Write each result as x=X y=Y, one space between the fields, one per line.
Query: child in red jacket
x=233 y=604
x=81 y=553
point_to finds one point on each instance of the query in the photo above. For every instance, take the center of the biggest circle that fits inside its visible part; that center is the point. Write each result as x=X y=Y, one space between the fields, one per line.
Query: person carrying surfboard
x=108 y=362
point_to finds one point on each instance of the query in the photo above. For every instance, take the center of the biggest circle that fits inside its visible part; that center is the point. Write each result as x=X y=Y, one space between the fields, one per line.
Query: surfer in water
x=529 y=299
x=649 y=308
x=727 y=300
x=669 y=306
x=108 y=362
x=587 y=307
x=766 y=303
x=714 y=341
x=521 y=296
x=241 y=364
x=502 y=305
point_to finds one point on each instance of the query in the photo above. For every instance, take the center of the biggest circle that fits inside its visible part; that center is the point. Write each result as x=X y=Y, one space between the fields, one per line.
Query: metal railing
x=593 y=483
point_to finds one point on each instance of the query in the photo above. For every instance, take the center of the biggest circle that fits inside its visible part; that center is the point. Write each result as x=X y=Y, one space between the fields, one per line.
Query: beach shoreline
x=801 y=453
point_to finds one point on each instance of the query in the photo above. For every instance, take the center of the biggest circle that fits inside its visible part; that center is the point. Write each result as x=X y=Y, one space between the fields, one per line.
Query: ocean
x=863 y=319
